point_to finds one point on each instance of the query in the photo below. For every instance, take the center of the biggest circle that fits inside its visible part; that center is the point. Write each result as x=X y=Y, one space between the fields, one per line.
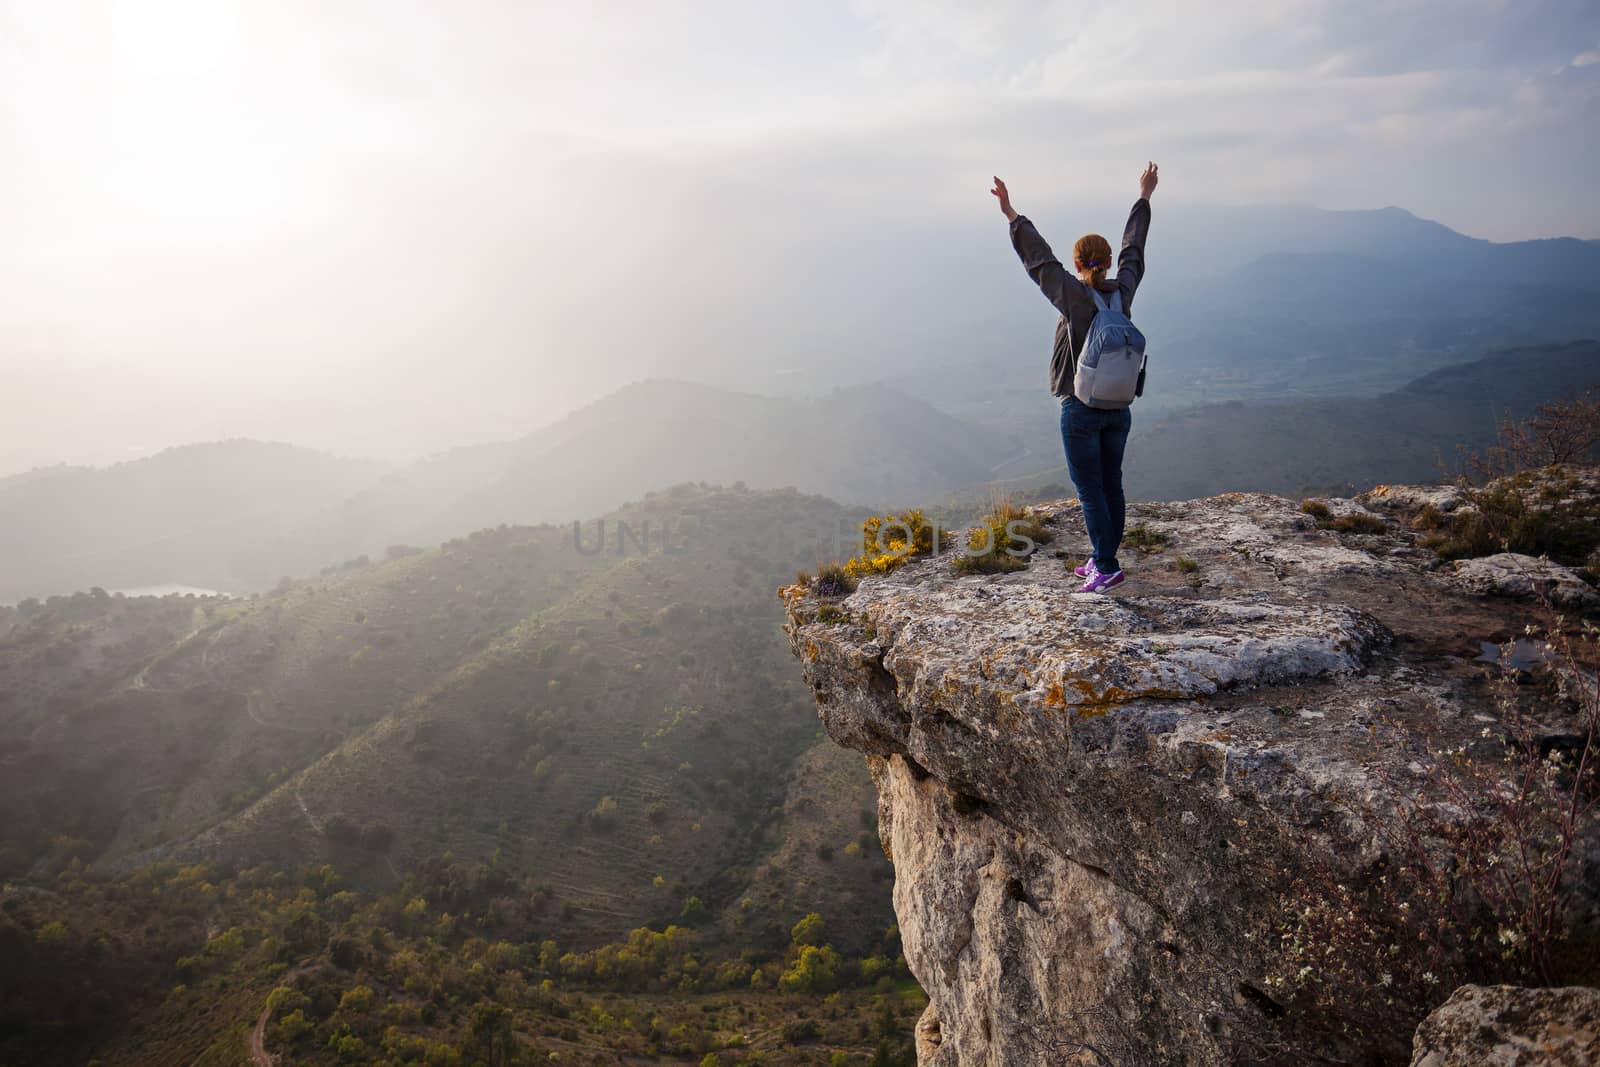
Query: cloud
x=520 y=205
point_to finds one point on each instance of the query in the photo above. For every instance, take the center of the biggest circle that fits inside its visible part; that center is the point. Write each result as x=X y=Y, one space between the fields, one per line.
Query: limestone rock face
x=1446 y=498
x=1507 y=1026
x=1091 y=801
x=1526 y=577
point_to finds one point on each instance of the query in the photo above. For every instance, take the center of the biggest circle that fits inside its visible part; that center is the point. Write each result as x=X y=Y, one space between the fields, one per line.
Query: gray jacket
x=1070 y=296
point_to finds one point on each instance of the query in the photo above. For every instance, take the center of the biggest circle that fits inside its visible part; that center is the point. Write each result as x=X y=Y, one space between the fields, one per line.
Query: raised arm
x=1130 y=261
x=1053 y=280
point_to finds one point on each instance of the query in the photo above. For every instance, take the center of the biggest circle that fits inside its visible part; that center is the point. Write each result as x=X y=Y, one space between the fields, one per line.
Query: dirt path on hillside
x=141 y=680
x=258 y=1041
x=252 y=707
x=259 y=1056
x=316 y=823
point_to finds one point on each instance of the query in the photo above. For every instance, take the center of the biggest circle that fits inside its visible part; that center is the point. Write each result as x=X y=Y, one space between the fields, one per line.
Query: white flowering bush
x=1476 y=871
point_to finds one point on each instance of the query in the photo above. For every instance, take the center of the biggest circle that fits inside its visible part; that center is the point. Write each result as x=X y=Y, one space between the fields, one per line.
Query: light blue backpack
x=1111 y=367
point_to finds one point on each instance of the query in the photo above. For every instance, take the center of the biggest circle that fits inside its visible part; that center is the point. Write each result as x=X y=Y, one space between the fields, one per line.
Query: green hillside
x=565 y=745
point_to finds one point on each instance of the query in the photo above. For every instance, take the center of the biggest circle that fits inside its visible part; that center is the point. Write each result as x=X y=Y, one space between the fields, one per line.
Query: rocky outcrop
x=1093 y=803
x=1509 y=574
x=1506 y=1026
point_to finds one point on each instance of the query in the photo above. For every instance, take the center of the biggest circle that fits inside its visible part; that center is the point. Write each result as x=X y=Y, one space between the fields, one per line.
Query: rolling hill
x=862 y=444
x=211 y=515
x=238 y=516
x=537 y=752
x=612 y=733
x=1410 y=435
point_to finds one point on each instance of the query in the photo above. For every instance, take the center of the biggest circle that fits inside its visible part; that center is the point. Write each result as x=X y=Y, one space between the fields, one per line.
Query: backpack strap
x=1099 y=301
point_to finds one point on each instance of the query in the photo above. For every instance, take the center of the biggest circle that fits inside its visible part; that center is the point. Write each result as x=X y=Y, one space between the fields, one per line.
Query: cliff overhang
x=1094 y=804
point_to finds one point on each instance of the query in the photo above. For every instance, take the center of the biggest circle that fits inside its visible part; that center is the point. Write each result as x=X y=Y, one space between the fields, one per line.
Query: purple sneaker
x=1085 y=569
x=1102 y=583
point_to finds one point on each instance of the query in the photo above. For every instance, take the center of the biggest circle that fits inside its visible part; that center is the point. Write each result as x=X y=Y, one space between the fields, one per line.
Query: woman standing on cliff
x=1095 y=438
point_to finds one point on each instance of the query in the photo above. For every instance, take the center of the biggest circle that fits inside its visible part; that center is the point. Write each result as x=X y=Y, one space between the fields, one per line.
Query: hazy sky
x=385 y=227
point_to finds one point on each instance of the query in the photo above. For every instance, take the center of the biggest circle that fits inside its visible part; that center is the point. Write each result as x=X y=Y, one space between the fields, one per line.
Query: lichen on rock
x=1507 y=1026
x=1092 y=803
x=1509 y=574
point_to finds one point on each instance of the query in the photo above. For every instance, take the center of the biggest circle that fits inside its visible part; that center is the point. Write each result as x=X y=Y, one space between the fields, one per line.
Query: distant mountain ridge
x=1213 y=240
x=861 y=443
x=1353 y=443
x=237 y=516
x=1271 y=303
x=1302 y=302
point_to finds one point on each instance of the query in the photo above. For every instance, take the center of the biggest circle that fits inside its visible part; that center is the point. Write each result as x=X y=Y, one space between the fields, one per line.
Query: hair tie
x=1093 y=263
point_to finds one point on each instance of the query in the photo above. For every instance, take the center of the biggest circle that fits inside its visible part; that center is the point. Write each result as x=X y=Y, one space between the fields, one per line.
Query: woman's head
x=1091 y=258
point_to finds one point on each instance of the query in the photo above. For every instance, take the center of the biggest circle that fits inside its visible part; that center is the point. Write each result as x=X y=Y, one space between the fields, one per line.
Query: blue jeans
x=1095 y=440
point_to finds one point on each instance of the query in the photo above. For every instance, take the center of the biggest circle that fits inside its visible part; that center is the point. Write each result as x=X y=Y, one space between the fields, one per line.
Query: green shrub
x=1146 y=539
x=808 y=931
x=833 y=579
x=284 y=999
x=292 y=1028
x=801 y=1031
x=356 y=1000
x=1185 y=565
x=1358 y=523
x=603 y=816
x=1429 y=518
x=1499 y=519
x=1002 y=540
x=815 y=970
x=350 y=1048
x=53 y=934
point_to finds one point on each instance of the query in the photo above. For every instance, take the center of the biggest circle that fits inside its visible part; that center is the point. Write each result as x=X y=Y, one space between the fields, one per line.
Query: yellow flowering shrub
x=890 y=540
x=1008 y=528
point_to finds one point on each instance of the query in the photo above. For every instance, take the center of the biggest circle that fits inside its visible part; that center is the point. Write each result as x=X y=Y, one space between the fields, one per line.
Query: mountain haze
x=1413 y=434
x=859 y=444
x=211 y=515
x=587 y=722
x=238 y=516
x=1265 y=304
x=464 y=482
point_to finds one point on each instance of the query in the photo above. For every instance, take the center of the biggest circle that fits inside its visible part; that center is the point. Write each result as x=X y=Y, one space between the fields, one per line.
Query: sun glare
x=173 y=40
x=189 y=160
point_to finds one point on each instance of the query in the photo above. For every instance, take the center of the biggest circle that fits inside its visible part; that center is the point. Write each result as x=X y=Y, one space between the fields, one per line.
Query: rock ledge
x=1091 y=802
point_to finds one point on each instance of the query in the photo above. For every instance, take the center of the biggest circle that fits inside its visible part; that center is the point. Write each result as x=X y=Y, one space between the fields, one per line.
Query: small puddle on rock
x=1520 y=656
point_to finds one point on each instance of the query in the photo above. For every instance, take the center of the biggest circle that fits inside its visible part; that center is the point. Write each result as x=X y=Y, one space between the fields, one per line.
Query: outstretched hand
x=1147 y=181
x=1004 y=196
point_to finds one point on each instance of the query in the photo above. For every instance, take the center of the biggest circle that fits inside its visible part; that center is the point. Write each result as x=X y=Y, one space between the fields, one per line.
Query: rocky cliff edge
x=1094 y=803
